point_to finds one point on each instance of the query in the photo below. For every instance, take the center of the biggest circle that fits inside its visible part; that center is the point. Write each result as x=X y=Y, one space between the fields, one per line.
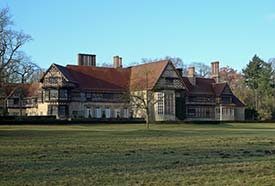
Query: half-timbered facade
x=88 y=91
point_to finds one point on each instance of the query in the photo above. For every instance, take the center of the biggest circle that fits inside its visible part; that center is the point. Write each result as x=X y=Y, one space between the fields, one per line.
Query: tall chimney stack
x=120 y=62
x=180 y=71
x=86 y=60
x=117 y=62
x=191 y=75
x=215 y=71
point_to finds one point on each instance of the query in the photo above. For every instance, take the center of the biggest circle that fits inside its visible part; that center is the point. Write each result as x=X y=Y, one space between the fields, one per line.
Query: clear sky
x=230 y=31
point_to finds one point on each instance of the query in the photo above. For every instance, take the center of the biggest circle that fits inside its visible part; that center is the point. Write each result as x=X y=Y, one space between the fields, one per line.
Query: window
x=52 y=110
x=192 y=112
x=107 y=113
x=126 y=113
x=75 y=113
x=169 y=81
x=53 y=80
x=62 y=110
x=16 y=101
x=89 y=112
x=226 y=99
x=63 y=94
x=47 y=95
x=160 y=103
x=98 y=112
x=232 y=112
x=53 y=94
x=88 y=95
x=207 y=113
x=117 y=113
x=169 y=103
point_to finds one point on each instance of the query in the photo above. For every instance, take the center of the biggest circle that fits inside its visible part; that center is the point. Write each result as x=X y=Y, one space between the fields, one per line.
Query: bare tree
x=11 y=58
x=25 y=70
x=108 y=65
x=141 y=98
x=177 y=61
x=11 y=42
x=202 y=69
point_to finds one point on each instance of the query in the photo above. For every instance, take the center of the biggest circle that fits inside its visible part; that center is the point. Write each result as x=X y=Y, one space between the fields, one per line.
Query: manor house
x=88 y=91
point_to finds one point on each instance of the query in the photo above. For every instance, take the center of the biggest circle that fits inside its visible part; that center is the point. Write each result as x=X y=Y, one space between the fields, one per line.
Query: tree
x=15 y=66
x=258 y=77
x=202 y=69
x=11 y=42
x=25 y=70
x=272 y=61
x=140 y=97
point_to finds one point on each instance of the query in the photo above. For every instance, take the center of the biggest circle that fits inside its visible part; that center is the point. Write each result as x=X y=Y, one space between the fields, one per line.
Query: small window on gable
x=169 y=81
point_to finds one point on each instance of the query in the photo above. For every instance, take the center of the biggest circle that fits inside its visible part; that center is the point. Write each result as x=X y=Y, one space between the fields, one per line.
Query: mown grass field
x=182 y=154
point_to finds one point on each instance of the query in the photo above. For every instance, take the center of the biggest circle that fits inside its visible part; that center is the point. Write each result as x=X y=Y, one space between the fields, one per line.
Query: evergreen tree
x=258 y=77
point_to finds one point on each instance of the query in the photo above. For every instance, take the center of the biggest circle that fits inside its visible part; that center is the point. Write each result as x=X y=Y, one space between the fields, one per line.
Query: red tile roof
x=187 y=84
x=203 y=86
x=30 y=90
x=99 y=78
x=149 y=73
x=114 y=79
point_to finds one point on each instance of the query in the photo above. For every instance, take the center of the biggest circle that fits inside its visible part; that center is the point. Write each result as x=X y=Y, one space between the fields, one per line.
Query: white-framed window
x=160 y=103
x=107 y=112
x=89 y=113
x=98 y=113
x=232 y=112
x=126 y=113
x=117 y=113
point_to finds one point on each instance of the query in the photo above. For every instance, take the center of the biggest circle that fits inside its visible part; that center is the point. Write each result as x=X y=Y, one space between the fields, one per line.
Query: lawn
x=182 y=154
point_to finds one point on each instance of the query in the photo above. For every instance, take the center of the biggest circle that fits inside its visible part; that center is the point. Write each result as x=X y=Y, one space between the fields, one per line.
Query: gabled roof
x=114 y=79
x=219 y=88
x=146 y=75
x=207 y=86
x=62 y=69
x=65 y=72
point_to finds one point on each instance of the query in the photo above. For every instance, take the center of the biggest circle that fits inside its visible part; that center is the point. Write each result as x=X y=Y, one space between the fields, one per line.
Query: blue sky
x=195 y=30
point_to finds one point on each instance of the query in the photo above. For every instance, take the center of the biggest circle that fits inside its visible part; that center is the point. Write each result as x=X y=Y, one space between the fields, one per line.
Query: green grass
x=182 y=154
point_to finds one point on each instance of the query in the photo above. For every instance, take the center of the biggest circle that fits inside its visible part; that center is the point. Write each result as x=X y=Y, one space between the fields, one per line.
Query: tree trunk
x=147 y=118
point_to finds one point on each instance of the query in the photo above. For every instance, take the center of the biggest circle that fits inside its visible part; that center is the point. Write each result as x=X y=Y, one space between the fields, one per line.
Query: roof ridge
x=160 y=61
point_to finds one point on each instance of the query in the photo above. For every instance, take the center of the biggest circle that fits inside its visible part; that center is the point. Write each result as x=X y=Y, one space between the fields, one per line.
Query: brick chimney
x=120 y=62
x=180 y=71
x=117 y=62
x=86 y=60
x=191 y=75
x=215 y=71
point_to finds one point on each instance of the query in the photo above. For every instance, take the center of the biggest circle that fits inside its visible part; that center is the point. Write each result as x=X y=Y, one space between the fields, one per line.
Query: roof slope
x=203 y=86
x=100 y=78
x=146 y=75
x=114 y=79
x=219 y=88
x=237 y=102
x=29 y=89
